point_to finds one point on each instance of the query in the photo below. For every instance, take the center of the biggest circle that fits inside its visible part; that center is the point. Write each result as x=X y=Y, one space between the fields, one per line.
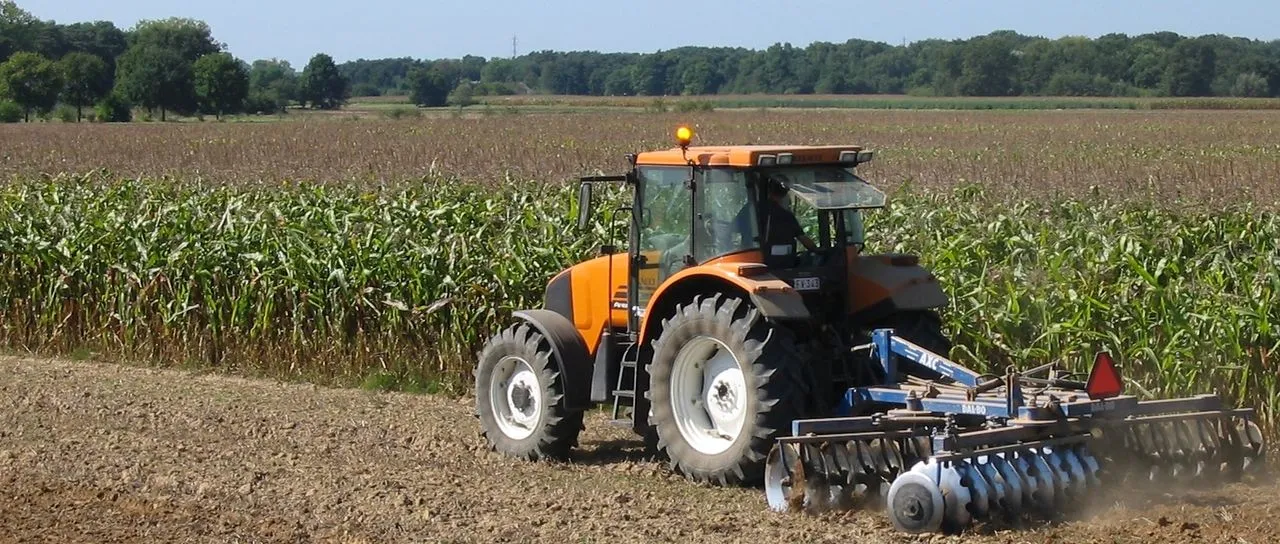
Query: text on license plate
x=807 y=284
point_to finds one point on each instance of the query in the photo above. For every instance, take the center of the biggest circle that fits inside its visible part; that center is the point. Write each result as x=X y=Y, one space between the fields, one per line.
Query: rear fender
x=875 y=280
x=775 y=298
x=573 y=361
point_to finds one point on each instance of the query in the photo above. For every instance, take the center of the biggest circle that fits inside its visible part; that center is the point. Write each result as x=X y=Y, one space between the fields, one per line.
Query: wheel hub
x=515 y=397
x=723 y=399
x=708 y=394
x=915 y=504
x=521 y=398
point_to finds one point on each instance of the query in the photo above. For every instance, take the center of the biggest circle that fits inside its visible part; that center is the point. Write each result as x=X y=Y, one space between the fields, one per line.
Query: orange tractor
x=747 y=337
x=732 y=313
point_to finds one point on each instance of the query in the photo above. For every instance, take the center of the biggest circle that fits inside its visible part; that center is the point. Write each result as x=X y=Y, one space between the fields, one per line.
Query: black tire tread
x=558 y=434
x=775 y=364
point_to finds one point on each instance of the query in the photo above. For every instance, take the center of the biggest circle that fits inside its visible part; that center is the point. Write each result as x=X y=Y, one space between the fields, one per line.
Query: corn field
x=335 y=252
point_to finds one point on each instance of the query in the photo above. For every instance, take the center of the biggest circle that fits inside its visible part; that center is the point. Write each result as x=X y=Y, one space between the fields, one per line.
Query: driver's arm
x=800 y=235
x=804 y=239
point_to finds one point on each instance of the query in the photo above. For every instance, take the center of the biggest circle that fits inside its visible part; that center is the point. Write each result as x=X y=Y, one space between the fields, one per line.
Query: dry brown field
x=1184 y=157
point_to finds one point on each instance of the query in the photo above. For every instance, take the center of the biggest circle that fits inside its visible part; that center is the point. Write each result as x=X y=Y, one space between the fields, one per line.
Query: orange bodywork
x=598 y=300
x=874 y=278
x=739 y=269
x=596 y=296
x=742 y=155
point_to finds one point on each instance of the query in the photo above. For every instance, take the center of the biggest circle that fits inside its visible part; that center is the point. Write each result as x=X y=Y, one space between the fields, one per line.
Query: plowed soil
x=94 y=452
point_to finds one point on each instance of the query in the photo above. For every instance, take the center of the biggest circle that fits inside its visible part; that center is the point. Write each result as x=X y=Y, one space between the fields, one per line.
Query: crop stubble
x=1204 y=157
x=103 y=453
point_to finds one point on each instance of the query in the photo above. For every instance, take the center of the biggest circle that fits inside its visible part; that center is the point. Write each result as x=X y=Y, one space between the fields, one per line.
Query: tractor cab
x=796 y=211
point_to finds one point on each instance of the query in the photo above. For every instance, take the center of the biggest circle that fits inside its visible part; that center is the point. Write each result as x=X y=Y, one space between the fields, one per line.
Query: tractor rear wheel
x=518 y=394
x=723 y=384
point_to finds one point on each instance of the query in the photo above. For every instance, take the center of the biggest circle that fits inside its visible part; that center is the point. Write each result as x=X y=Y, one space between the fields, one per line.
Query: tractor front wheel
x=723 y=384
x=518 y=397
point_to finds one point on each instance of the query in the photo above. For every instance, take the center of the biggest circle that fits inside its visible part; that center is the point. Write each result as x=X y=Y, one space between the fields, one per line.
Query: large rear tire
x=723 y=384
x=518 y=397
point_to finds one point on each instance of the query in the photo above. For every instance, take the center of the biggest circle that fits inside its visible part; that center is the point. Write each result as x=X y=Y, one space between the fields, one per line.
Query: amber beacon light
x=684 y=135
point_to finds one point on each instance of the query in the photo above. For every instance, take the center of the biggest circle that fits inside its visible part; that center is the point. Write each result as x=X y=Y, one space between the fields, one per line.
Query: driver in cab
x=780 y=227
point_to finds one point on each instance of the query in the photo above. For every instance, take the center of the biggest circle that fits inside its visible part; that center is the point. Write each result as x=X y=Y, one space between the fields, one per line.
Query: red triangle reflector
x=1104 y=379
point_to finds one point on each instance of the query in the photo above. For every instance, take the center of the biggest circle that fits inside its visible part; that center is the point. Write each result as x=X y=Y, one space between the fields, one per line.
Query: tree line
x=1002 y=63
x=169 y=65
x=175 y=66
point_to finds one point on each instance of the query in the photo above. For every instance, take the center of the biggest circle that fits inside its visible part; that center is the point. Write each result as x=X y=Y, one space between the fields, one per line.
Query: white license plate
x=807 y=284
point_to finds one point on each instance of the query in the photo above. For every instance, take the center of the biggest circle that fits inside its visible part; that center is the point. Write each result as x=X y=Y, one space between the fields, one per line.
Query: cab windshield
x=828 y=187
x=832 y=191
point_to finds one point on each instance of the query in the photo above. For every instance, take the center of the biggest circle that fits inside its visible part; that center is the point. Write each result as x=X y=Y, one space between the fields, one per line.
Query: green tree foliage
x=114 y=109
x=1000 y=63
x=156 y=77
x=86 y=79
x=1189 y=70
x=31 y=81
x=189 y=38
x=156 y=71
x=1250 y=85
x=21 y=31
x=99 y=38
x=221 y=83
x=10 y=112
x=987 y=68
x=273 y=84
x=463 y=95
x=322 y=86
x=430 y=86
x=388 y=76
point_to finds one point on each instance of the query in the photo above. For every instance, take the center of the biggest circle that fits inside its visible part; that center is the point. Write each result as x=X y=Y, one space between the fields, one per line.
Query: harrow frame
x=940 y=454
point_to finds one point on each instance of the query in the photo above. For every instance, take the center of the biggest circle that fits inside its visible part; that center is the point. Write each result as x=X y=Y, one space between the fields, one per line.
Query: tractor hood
x=838 y=195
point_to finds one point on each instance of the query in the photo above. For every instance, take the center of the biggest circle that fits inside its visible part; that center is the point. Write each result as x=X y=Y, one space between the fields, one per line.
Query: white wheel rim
x=516 y=397
x=708 y=395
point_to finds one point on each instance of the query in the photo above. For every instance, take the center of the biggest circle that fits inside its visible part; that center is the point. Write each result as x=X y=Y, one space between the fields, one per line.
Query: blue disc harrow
x=940 y=447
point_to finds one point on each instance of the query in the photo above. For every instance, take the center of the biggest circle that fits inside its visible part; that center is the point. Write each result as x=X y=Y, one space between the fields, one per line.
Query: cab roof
x=742 y=155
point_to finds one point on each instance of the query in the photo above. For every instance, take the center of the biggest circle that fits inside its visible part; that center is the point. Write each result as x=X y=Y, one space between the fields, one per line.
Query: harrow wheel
x=722 y=386
x=518 y=395
x=915 y=504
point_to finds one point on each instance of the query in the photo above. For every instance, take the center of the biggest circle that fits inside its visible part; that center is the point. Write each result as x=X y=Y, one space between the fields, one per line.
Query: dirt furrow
x=93 y=452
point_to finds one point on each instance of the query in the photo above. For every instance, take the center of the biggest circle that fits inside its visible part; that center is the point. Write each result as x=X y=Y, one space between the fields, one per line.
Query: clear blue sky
x=351 y=29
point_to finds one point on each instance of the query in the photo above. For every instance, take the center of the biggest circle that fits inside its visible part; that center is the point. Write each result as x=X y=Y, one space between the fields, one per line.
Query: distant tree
x=1078 y=84
x=15 y=29
x=1250 y=85
x=10 y=112
x=620 y=83
x=21 y=31
x=365 y=89
x=114 y=109
x=86 y=80
x=221 y=83
x=156 y=77
x=273 y=84
x=462 y=95
x=189 y=38
x=99 y=38
x=988 y=68
x=1189 y=70
x=31 y=81
x=322 y=86
x=429 y=86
